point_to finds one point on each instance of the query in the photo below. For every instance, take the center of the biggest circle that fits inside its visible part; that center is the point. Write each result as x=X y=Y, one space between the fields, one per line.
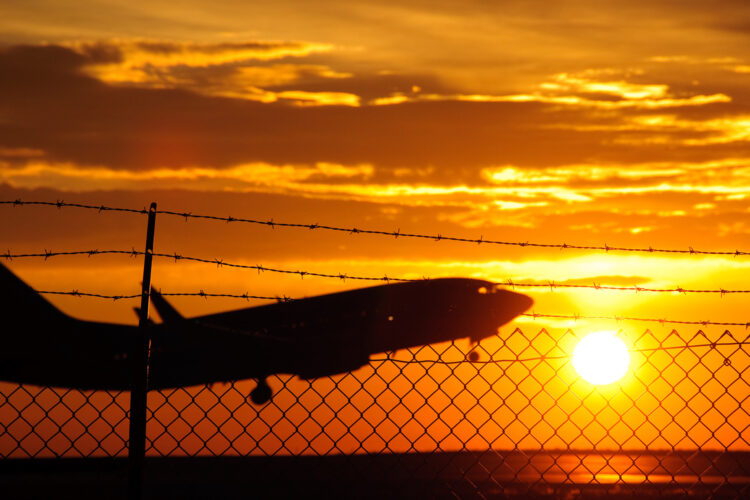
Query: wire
x=629 y=318
x=61 y=204
x=245 y=296
x=77 y=293
x=284 y=298
x=385 y=278
x=201 y=293
x=396 y=234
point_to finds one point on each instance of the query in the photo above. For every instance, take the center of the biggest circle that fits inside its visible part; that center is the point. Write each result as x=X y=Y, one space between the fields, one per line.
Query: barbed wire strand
x=712 y=345
x=396 y=234
x=78 y=293
x=551 y=284
x=284 y=298
x=662 y=321
x=201 y=293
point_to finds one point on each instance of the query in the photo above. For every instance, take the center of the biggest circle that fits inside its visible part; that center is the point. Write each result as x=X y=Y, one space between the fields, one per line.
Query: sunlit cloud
x=506 y=188
x=303 y=98
x=719 y=173
x=75 y=178
x=295 y=97
x=581 y=90
x=20 y=152
x=236 y=70
x=570 y=100
x=141 y=54
x=250 y=82
x=565 y=82
x=669 y=129
x=584 y=172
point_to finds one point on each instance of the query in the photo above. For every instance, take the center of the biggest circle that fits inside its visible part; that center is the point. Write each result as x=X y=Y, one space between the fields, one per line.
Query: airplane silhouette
x=311 y=337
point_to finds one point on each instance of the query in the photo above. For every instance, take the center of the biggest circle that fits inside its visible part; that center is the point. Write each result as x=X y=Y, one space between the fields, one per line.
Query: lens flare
x=601 y=358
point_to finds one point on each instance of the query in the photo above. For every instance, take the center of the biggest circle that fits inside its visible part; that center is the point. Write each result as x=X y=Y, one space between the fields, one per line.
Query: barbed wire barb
x=219 y=262
x=397 y=234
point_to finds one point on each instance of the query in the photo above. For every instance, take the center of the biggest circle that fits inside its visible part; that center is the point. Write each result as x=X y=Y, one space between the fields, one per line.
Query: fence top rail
x=551 y=284
x=395 y=234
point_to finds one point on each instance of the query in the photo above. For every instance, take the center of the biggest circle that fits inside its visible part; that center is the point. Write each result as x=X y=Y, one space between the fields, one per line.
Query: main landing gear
x=262 y=393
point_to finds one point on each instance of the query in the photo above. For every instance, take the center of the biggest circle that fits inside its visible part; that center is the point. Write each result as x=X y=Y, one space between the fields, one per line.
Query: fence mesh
x=518 y=420
x=520 y=414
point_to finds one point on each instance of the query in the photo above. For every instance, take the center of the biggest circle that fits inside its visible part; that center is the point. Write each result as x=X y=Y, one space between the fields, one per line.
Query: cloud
x=135 y=55
x=236 y=70
x=283 y=112
x=578 y=91
x=515 y=196
x=20 y=152
x=727 y=172
x=242 y=178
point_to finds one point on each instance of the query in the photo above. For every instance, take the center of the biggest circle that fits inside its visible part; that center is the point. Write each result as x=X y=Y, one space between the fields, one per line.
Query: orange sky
x=626 y=124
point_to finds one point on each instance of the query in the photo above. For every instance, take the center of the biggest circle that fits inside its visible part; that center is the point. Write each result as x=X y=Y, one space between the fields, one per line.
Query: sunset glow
x=594 y=156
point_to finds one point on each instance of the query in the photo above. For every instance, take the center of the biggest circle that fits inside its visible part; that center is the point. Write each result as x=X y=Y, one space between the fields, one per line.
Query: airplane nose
x=524 y=302
x=507 y=305
x=500 y=308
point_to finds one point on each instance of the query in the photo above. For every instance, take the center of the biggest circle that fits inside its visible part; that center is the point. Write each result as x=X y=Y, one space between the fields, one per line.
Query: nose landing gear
x=473 y=354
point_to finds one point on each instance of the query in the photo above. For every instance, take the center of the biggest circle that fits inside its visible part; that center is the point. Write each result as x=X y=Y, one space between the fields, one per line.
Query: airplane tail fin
x=166 y=311
x=19 y=303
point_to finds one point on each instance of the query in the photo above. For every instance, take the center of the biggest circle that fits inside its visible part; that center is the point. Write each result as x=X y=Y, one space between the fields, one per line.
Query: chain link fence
x=519 y=419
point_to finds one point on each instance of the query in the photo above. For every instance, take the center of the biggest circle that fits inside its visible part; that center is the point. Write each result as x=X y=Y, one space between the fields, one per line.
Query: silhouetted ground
x=435 y=475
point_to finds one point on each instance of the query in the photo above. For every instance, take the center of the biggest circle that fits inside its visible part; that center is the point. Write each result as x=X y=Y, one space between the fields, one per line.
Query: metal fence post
x=140 y=354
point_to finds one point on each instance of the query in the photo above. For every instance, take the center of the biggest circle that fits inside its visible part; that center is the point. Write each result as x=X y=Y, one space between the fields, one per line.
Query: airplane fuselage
x=313 y=337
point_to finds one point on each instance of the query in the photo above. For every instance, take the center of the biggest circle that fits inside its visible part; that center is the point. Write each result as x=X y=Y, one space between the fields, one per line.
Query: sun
x=601 y=358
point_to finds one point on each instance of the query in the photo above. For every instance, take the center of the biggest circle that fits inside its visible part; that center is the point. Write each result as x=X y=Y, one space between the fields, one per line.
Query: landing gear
x=473 y=355
x=262 y=393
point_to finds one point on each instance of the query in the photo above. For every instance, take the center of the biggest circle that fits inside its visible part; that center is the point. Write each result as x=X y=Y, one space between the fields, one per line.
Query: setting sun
x=601 y=358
